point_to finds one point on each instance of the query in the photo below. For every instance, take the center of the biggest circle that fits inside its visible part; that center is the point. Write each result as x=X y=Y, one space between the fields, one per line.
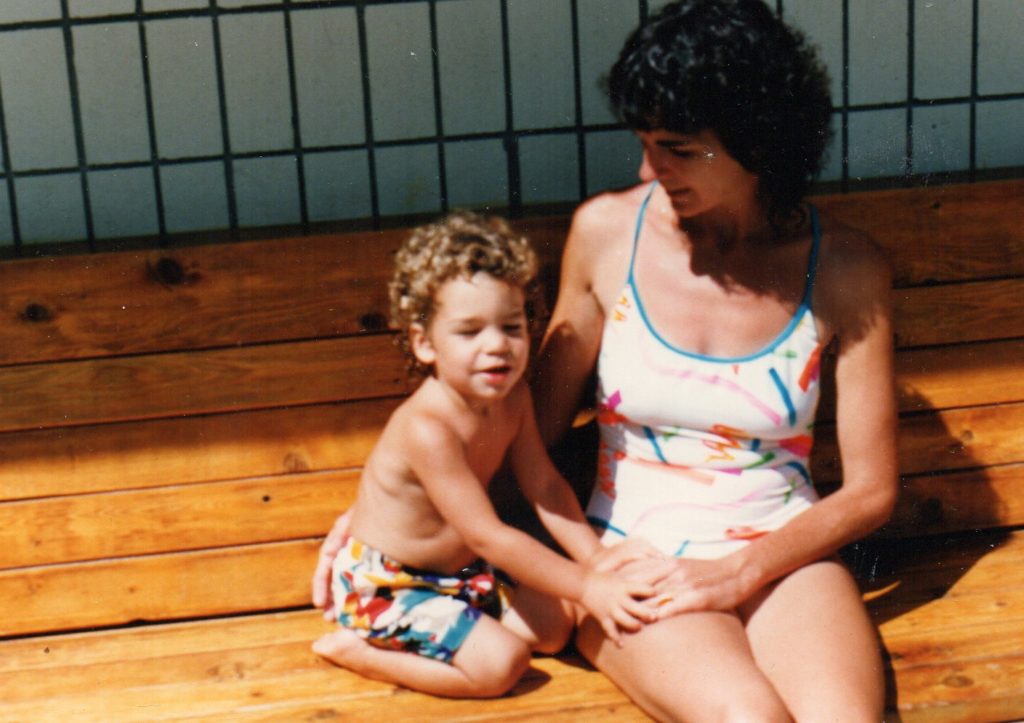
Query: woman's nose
x=646 y=170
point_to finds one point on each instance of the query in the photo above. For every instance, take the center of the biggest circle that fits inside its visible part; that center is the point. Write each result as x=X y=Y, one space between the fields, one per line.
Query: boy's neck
x=461 y=403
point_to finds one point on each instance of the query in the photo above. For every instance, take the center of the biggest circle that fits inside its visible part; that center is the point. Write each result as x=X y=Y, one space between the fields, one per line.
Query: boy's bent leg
x=543 y=621
x=813 y=638
x=487 y=664
x=689 y=667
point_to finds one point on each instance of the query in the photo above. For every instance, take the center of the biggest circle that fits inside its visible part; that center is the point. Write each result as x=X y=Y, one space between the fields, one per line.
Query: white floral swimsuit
x=700 y=455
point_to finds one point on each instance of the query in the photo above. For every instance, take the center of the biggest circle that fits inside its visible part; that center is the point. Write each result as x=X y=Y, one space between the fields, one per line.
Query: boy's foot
x=341 y=647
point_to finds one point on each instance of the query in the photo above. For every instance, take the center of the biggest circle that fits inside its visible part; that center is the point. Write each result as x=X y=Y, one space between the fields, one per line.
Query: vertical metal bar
x=515 y=193
x=908 y=167
x=154 y=152
x=845 y=111
x=435 y=67
x=972 y=168
x=364 y=67
x=577 y=91
x=222 y=99
x=293 y=97
x=778 y=8
x=5 y=150
x=76 y=118
x=644 y=9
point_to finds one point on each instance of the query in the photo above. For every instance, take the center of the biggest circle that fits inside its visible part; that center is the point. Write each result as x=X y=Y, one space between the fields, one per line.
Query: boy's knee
x=502 y=670
x=556 y=637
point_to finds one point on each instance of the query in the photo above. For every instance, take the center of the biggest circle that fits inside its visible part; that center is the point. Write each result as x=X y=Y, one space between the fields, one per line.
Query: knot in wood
x=36 y=313
x=168 y=271
x=374 y=321
x=930 y=512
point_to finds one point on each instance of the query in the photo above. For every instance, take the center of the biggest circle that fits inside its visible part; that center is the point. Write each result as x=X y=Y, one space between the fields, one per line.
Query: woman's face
x=695 y=170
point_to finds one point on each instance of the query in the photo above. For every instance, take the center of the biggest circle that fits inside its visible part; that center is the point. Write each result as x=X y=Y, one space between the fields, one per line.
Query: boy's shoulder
x=422 y=419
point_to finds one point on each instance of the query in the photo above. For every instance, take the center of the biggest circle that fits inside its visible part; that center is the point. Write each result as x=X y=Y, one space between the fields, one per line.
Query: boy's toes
x=339 y=646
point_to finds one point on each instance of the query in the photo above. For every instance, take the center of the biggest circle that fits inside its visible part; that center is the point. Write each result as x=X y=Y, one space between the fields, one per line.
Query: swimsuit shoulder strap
x=639 y=225
x=812 y=261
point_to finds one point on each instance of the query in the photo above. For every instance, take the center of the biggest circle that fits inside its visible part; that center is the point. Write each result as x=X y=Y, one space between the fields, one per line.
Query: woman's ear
x=421 y=346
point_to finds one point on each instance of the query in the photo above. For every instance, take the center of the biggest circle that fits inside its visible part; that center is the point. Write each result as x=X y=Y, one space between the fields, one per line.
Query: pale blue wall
x=88 y=153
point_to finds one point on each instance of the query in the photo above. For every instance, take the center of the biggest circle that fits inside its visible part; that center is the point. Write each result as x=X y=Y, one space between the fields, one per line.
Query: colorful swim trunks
x=398 y=607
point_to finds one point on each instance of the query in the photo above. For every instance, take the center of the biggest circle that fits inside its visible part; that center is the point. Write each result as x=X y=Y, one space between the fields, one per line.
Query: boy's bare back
x=404 y=523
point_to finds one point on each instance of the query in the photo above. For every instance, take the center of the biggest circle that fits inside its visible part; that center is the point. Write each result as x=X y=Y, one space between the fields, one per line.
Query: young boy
x=411 y=577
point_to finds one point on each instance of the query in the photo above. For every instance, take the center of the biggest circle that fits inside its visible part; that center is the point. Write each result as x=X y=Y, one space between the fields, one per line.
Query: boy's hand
x=632 y=549
x=322 y=597
x=617 y=603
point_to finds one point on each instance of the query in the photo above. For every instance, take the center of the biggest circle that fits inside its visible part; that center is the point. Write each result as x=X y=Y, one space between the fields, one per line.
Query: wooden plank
x=194 y=298
x=979 y=311
x=939 y=441
x=168 y=385
x=327 y=285
x=169 y=519
x=221 y=514
x=176 y=671
x=159 y=587
x=961 y=627
x=941 y=233
x=902 y=576
x=959 y=502
x=961 y=376
x=976 y=690
x=183 y=450
x=94 y=391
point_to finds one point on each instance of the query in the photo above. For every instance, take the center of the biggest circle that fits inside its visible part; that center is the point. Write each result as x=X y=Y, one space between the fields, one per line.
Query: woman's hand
x=335 y=540
x=692 y=585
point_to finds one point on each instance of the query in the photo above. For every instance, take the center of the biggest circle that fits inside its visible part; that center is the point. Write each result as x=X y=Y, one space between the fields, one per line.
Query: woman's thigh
x=692 y=667
x=812 y=637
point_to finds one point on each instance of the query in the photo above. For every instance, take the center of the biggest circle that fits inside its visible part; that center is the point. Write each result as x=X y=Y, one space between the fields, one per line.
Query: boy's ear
x=421 y=346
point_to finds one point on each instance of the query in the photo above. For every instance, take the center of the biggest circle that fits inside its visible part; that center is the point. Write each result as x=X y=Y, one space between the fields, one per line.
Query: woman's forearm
x=838 y=520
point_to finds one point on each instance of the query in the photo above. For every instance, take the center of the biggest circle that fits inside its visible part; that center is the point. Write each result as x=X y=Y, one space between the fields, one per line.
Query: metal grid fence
x=300 y=150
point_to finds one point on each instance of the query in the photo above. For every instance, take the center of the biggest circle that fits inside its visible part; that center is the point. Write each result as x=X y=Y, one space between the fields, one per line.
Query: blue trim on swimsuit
x=794 y=322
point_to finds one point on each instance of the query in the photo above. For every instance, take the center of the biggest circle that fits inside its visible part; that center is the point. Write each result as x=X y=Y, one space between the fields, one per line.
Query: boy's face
x=477 y=341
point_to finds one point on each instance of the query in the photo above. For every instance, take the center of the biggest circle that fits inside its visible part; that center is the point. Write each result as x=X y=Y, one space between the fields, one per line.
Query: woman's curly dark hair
x=733 y=67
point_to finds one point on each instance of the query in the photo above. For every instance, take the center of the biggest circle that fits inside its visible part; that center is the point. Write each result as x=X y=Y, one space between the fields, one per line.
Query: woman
x=703 y=298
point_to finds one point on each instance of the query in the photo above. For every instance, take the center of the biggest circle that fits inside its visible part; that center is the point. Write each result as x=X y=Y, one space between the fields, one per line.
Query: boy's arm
x=439 y=462
x=545 y=488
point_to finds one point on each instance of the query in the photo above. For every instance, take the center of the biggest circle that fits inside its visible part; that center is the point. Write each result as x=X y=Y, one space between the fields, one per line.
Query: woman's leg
x=487 y=664
x=692 y=667
x=812 y=637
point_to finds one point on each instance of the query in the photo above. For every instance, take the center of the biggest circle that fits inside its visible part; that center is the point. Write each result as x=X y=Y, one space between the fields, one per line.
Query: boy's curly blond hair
x=458 y=246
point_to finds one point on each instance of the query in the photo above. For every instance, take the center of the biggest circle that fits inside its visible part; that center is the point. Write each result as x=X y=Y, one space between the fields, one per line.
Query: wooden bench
x=178 y=428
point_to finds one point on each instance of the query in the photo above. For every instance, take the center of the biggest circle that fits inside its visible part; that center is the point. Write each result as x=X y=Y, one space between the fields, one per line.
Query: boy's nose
x=497 y=342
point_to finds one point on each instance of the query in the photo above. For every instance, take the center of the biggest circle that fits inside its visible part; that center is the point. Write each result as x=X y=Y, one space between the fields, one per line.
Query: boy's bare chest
x=485 y=443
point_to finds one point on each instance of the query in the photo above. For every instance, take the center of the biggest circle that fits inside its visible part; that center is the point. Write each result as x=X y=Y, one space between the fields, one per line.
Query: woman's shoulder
x=850 y=252
x=854 y=273
x=609 y=211
x=603 y=224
